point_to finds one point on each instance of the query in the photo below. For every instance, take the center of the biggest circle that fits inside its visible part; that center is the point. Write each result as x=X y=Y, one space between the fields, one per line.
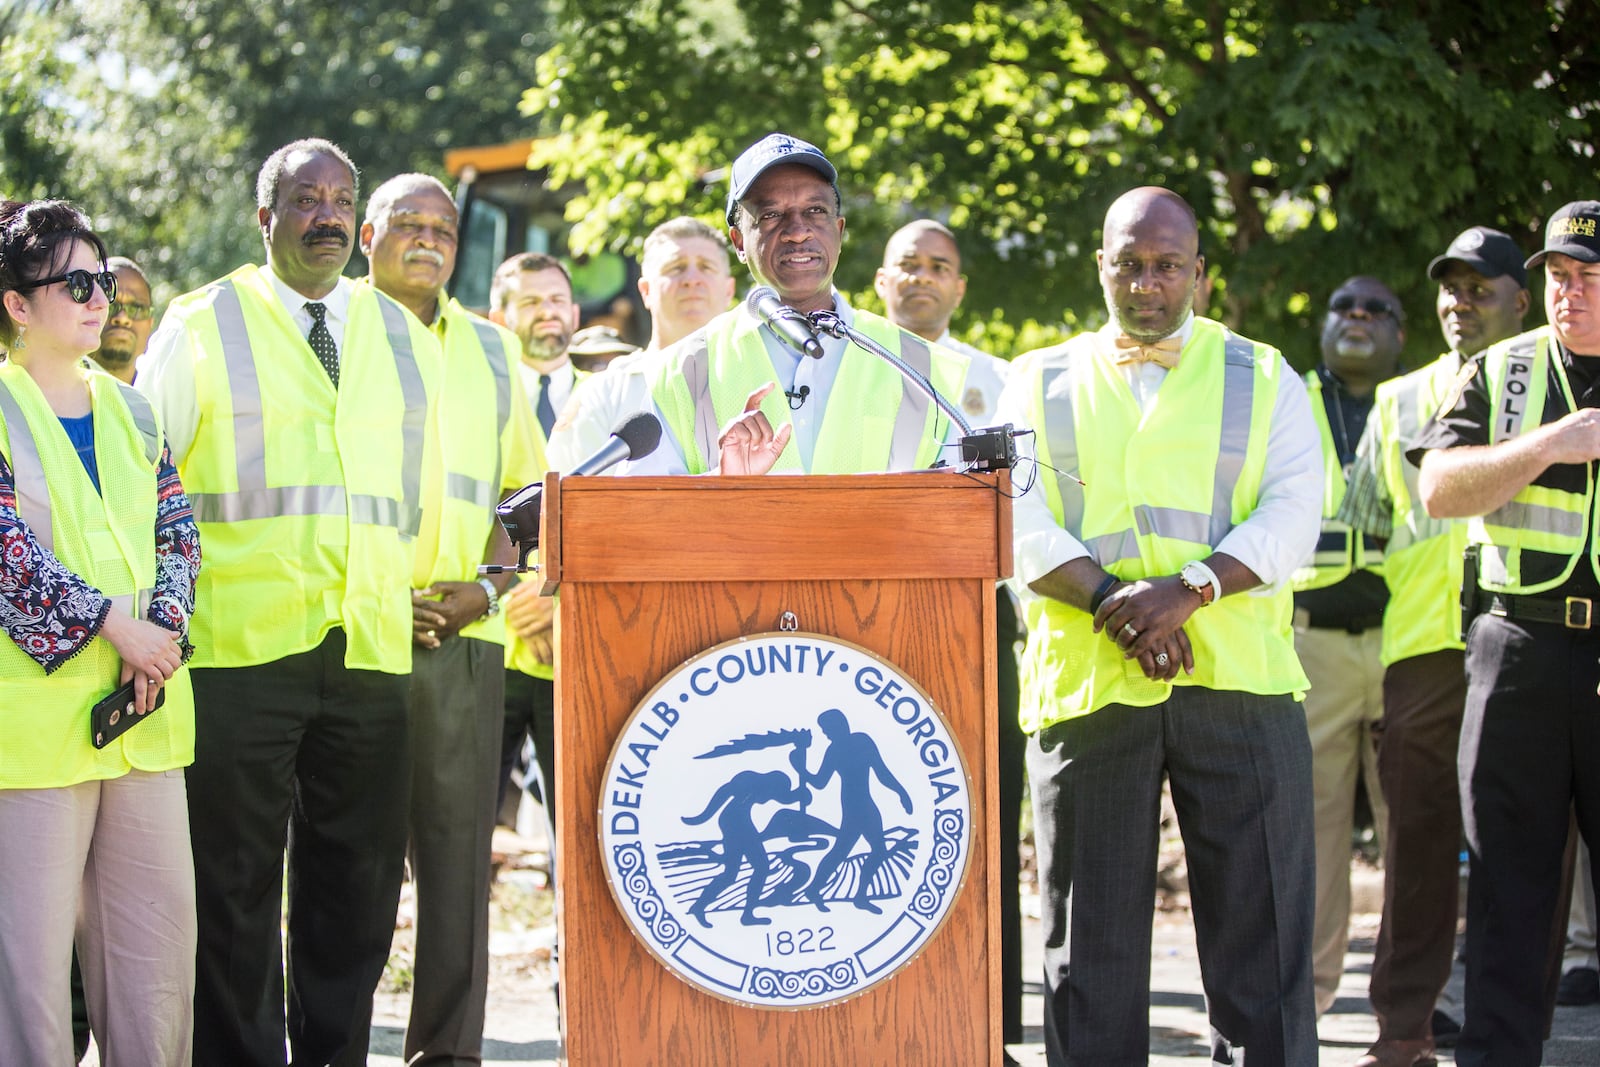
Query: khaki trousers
x=1342 y=707
x=111 y=859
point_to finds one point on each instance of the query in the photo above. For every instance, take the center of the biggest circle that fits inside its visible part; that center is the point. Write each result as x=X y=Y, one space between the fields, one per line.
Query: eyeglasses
x=135 y=311
x=80 y=284
x=1371 y=305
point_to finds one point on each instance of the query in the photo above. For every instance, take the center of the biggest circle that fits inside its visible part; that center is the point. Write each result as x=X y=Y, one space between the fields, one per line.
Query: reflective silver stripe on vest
x=1238 y=399
x=1522 y=515
x=697 y=376
x=471 y=490
x=1175 y=523
x=255 y=500
x=914 y=404
x=1061 y=434
x=1519 y=365
x=1238 y=403
x=268 y=503
x=144 y=419
x=491 y=341
x=27 y=473
x=415 y=425
x=1112 y=547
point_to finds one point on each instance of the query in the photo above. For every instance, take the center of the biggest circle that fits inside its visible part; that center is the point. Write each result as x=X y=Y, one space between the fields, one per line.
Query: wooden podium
x=652 y=571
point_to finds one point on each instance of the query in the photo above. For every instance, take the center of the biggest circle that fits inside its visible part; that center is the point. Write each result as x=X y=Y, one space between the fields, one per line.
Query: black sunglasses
x=1371 y=305
x=80 y=284
x=134 y=310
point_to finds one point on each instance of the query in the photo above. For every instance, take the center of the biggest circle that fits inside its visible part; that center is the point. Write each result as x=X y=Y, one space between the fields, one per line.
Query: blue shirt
x=80 y=431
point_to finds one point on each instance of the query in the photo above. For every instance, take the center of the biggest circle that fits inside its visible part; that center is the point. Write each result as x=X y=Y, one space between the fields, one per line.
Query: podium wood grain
x=655 y=570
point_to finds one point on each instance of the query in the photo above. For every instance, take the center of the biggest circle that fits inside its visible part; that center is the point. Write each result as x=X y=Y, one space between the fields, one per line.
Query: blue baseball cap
x=771 y=151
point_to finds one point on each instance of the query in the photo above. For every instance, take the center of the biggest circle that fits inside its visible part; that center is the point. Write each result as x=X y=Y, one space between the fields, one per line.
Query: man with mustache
x=1514 y=447
x=299 y=408
x=457 y=681
x=731 y=396
x=129 y=322
x=1482 y=298
x=1182 y=489
x=1339 y=596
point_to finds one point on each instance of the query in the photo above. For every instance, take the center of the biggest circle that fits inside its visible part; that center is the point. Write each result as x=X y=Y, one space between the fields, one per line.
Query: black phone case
x=113 y=716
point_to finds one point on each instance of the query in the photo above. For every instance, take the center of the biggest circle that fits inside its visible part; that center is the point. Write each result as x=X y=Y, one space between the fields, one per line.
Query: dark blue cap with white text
x=774 y=150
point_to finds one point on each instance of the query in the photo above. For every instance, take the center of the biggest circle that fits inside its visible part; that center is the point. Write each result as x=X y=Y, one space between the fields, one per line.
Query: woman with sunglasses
x=98 y=561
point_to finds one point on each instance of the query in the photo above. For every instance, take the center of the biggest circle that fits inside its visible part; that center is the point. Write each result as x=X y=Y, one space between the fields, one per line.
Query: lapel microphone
x=798 y=397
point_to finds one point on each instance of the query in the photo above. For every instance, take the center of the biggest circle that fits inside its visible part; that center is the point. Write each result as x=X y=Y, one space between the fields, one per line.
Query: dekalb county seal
x=785 y=820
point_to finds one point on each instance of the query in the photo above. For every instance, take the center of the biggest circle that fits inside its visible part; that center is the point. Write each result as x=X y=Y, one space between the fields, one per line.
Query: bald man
x=1159 y=643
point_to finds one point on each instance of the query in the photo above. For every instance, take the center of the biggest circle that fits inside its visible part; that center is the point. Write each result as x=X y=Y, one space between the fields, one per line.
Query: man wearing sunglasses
x=300 y=407
x=1338 y=609
x=1482 y=298
x=128 y=323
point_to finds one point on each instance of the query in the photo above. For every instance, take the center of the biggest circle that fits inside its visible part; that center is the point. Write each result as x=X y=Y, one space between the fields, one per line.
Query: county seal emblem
x=785 y=820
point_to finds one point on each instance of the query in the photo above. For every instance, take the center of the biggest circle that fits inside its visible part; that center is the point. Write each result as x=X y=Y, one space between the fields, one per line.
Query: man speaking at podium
x=734 y=397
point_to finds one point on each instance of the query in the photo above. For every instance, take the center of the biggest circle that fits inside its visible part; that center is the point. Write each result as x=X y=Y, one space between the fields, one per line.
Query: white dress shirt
x=598 y=405
x=986 y=379
x=561 y=383
x=1275 y=539
x=168 y=380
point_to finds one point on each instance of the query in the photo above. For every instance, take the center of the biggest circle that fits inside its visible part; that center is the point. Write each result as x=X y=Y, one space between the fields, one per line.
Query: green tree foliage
x=32 y=161
x=1316 y=138
x=163 y=110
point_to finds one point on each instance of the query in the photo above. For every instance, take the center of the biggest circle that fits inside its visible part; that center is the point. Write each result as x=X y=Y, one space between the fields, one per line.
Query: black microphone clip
x=797 y=398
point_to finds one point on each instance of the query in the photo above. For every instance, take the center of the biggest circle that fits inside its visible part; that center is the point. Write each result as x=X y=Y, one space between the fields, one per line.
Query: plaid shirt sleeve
x=1368 y=505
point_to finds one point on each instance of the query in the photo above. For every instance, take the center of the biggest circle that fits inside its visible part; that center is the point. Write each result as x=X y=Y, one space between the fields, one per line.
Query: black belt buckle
x=1579 y=613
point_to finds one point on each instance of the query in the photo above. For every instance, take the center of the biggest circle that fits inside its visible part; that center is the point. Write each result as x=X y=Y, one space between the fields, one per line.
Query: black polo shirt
x=1466 y=422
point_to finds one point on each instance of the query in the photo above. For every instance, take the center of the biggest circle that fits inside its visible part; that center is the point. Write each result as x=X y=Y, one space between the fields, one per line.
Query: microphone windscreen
x=641 y=432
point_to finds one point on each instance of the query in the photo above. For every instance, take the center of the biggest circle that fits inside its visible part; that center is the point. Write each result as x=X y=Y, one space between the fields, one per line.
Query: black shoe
x=1579 y=986
x=1445 y=1030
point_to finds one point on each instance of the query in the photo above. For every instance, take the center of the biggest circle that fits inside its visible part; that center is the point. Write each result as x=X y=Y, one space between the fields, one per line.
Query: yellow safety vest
x=875 y=419
x=518 y=656
x=1533 y=543
x=307 y=497
x=1338 y=553
x=107 y=538
x=1422 y=564
x=478 y=457
x=1164 y=486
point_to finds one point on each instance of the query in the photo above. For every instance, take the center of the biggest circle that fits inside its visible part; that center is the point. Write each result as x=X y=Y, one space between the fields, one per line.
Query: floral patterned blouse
x=51 y=613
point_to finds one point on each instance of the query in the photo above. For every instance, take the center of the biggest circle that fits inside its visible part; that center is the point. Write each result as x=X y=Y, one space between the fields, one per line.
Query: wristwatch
x=1197 y=578
x=494 y=598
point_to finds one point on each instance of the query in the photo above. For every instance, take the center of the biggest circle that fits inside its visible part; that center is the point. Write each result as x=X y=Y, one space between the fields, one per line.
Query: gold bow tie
x=1165 y=351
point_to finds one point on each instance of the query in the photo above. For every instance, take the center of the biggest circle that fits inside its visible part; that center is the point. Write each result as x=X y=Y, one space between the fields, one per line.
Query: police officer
x=1338 y=609
x=1183 y=488
x=1481 y=300
x=734 y=390
x=457 y=681
x=298 y=408
x=1515 y=446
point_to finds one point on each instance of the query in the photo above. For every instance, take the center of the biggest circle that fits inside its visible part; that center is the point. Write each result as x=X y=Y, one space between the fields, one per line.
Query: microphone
x=635 y=438
x=797 y=398
x=791 y=326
